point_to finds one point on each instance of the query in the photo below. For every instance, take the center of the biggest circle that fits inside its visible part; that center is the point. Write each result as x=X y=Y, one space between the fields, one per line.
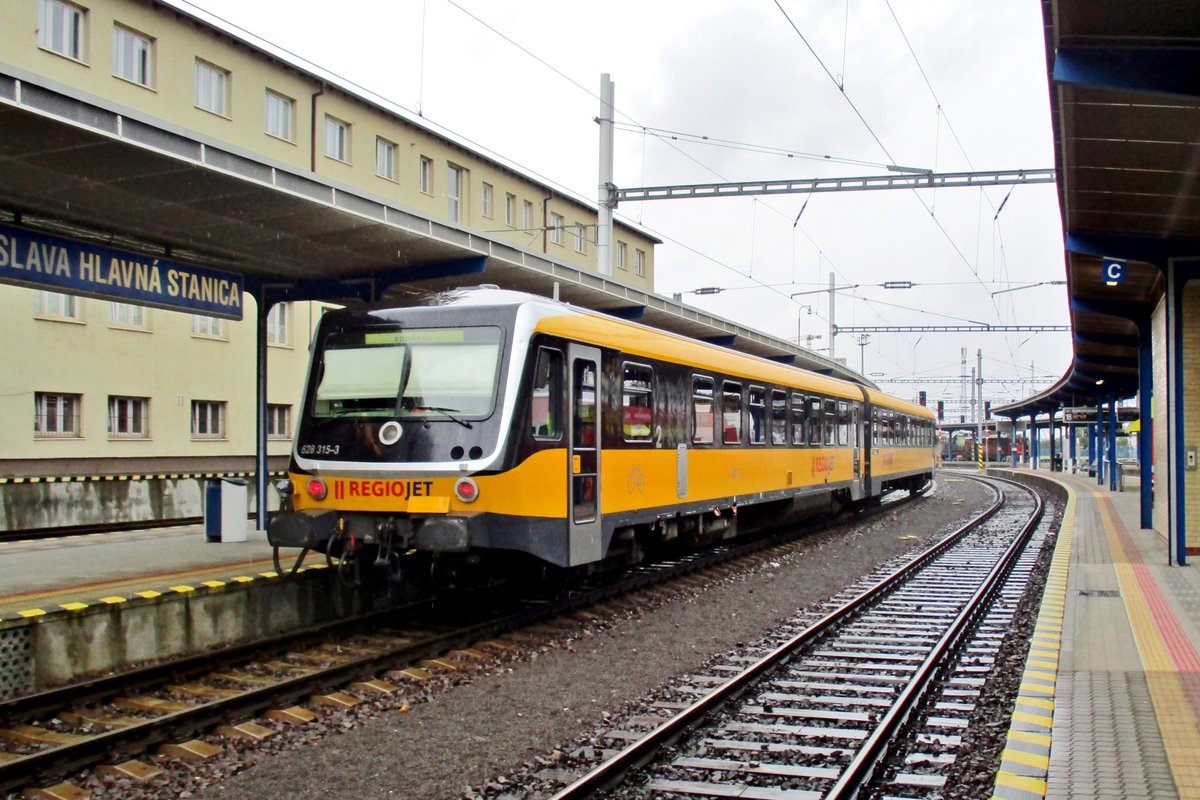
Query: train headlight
x=466 y=490
x=316 y=489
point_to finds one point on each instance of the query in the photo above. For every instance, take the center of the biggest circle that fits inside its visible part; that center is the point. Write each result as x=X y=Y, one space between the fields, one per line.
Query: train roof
x=640 y=340
x=574 y=322
x=887 y=401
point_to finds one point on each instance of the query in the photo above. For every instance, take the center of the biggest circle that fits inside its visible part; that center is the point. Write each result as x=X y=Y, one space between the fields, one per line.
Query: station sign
x=1113 y=270
x=1086 y=415
x=43 y=261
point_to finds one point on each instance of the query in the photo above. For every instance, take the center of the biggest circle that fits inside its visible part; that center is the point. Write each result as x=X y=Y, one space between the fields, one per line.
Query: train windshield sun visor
x=416 y=372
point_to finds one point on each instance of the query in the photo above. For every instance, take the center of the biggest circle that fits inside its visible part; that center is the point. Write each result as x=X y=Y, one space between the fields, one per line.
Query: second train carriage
x=495 y=423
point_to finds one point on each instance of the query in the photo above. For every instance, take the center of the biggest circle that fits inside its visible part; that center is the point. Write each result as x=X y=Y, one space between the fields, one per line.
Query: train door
x=857 y=491
x=868 y=436
x=584 y=455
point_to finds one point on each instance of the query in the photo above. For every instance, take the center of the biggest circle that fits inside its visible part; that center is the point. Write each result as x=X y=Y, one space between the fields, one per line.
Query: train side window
x=816 y=421
x=843 y=423
x=637 y=402
x=703 y=420
x=545 y=416
x=830 y=422
x=757 y=397
x=874 y=427
x=731 y=412
x=779 y=415
x=855 y=427
x=799 y=420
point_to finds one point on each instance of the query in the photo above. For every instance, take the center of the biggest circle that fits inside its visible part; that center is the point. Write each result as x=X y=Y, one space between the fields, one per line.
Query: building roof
x=1125 y=110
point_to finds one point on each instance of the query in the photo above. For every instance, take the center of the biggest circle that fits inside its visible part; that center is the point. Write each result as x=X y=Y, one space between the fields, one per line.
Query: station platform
x=1110 y=698
x=48 y=575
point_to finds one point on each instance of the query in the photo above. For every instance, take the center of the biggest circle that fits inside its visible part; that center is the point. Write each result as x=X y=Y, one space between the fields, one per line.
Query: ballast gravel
x=474 y=734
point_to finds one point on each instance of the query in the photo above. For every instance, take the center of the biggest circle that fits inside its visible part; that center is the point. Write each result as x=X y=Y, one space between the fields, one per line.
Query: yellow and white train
x=499 y=425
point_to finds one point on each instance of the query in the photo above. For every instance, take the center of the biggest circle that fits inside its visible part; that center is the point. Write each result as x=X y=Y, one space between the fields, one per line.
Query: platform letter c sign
x=1114 y=271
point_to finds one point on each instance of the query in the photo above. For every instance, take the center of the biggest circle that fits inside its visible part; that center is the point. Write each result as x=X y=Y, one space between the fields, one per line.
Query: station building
x=123 y=408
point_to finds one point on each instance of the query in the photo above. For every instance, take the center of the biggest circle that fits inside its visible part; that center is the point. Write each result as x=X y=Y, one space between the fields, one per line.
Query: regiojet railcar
x=498 y=426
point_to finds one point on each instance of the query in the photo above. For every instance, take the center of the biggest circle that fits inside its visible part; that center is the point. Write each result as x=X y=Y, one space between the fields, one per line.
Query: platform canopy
x=73 y=165
x=1125 y=106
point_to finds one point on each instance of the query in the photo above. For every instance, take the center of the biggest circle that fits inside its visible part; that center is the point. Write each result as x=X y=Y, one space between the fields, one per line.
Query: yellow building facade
x=93 y=388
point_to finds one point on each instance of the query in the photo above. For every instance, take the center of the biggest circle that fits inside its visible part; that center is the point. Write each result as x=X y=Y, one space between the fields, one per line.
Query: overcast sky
x=940 y=85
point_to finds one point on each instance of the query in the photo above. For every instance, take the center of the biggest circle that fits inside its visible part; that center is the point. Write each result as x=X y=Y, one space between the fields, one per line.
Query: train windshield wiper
x=448 y=412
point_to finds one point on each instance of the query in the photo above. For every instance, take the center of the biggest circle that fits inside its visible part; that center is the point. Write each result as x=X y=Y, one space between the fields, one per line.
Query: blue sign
x=1114 y=271
x=42 y=261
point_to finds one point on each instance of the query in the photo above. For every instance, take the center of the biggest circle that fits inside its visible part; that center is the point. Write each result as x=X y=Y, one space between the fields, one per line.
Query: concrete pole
x=832 y=327
x=979 y=393
x=606 y=200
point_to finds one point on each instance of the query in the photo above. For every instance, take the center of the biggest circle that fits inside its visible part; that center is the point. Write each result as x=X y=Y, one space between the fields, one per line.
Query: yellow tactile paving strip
x=1025 y=761
x=33 y=604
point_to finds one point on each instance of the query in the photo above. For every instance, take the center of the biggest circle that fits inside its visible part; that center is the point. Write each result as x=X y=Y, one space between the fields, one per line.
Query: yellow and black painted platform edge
x=1025 y=761
x=140 y=476
x=182 y=590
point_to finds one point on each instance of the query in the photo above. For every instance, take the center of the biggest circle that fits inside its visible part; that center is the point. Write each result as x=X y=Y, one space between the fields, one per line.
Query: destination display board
x=1085 y=415
x=43 y=261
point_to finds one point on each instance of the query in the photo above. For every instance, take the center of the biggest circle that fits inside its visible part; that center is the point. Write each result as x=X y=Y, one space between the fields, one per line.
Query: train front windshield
x=413 y=372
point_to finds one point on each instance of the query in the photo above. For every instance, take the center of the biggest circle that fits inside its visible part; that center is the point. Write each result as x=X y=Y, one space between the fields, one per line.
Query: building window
x=622 y=256
x=208 y=326
x=208 y=419
x=128 y=417
x=580 y=243
x=56 y=415
x=279 y=421
x=556 y=228
x=639 y=263
x=527 y=215
x=61 y=28
x=279 y=324
x=131 y=56
x=212 y=88
x=486 y=200
x=128 y=315
x=281 y=116
x=510 y=210
x=454 y=192
x=385 y=158
x=55 y=305
x=337 y=139
x=425 y=178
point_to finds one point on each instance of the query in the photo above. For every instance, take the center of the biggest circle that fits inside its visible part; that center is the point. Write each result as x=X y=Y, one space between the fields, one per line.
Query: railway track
x=871 y=698
x=53 y=734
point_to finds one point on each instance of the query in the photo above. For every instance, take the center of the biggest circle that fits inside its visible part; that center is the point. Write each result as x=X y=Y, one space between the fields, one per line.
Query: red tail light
x=316 y=489
x=466 y=490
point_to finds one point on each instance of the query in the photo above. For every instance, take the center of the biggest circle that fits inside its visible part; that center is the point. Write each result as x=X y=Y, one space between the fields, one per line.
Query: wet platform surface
x=46 y=574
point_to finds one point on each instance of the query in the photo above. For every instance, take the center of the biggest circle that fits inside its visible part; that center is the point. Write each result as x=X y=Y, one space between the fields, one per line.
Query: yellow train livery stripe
x=629 y=480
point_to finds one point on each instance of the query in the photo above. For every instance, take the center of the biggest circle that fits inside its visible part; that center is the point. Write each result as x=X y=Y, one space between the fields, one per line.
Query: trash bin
x=1057 y=465
x=225 y=510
